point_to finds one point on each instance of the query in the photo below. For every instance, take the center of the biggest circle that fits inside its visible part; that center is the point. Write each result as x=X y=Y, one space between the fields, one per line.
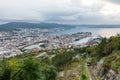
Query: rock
x=105 y=73
x=110 y=75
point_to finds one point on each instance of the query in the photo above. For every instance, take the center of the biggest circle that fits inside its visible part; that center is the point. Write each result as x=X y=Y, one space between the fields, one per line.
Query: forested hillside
x=16 y=25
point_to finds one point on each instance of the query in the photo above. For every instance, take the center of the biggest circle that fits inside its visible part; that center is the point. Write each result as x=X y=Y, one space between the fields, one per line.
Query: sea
x=103 y=32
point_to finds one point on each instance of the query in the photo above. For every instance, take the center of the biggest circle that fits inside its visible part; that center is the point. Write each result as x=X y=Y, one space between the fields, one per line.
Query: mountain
x=15 y=25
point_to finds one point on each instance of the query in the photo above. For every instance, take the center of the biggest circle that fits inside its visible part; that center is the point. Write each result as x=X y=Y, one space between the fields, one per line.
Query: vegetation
x=83 y=76
x=84 y=73
x=109 y=48
x=113 y=61
x=26 y=69
x=66 y=57
x=16 y=25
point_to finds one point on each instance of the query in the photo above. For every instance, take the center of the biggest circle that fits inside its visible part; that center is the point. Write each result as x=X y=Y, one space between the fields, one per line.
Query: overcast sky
x=61 y=11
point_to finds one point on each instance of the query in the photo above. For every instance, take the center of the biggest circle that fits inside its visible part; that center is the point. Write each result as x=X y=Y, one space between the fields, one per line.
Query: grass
x=77 y=67
x=84 y=74
x=113 y=61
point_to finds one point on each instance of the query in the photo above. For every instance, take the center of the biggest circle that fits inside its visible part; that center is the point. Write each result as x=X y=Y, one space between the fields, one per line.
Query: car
x=88 y=63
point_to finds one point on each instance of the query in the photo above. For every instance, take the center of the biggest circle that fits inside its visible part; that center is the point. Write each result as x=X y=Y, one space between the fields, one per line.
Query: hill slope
x=15 y=25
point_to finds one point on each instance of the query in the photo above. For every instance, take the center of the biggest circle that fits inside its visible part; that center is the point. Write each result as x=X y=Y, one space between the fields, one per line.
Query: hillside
x=105 y=58
x=15 y=25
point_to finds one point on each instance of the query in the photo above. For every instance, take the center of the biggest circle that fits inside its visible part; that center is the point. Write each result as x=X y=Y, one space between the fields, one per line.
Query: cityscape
x=17 y=42
x=59 y=39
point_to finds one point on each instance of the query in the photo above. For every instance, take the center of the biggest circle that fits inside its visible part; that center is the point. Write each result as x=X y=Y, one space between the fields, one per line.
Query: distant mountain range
x=15 y=25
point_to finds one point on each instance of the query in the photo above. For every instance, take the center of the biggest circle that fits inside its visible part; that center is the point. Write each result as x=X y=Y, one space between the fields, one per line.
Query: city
x=17 y=42
x=59 y=39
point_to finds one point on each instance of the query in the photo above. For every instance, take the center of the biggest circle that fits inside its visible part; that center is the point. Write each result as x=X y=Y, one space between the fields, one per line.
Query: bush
x=113 y=61
x=83 y=76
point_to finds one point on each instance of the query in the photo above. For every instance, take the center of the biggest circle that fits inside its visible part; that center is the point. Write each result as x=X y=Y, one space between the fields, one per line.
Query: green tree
x=100 y=47
x=5 y=71
x=30 y=69
x=26 y=69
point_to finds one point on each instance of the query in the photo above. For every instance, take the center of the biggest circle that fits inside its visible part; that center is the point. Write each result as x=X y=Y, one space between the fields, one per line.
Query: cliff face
x=105 y=73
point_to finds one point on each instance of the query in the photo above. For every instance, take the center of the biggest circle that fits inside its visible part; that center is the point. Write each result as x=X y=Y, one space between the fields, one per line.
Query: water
x=84 y=40
x=33 y=46
x=104 y=32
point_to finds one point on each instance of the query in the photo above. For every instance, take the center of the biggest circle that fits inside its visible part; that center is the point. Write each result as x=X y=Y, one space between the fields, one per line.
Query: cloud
x=114 y=1
x=60 y=11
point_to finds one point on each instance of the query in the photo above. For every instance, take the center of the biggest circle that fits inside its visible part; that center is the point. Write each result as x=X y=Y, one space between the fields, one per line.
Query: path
x=90 y=73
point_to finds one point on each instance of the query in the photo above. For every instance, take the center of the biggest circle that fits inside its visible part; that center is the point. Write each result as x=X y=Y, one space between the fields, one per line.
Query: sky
x=61 y=11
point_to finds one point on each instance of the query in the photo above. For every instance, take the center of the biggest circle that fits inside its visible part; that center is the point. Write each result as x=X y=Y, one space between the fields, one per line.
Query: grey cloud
x=114 y=1
x=60 y=11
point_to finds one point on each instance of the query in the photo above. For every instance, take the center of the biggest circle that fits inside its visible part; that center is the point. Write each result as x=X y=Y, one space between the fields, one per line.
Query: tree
x=107 y=49
x=30 y=69
x=100 y=47
x=49 y=72
x=5 y=71
x=26 y=69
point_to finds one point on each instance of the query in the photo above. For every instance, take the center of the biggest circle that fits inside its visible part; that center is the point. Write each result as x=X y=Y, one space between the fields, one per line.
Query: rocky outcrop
x=105 y=73
x=111 y=75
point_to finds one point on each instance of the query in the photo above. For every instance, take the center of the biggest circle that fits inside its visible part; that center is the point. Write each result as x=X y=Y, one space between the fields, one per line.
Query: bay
x=104 y=32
